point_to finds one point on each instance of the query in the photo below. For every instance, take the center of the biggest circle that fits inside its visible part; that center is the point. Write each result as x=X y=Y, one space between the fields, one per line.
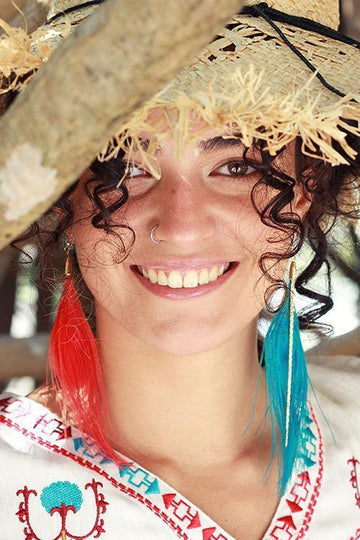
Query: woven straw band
x=267 y=76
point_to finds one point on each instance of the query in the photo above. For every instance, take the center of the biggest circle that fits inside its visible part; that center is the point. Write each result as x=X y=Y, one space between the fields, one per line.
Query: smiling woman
x=165 y=413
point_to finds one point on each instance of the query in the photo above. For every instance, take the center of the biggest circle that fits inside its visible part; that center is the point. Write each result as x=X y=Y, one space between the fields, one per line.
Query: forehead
x=165 y=138
x=205 y=144
x=167 y=127
x=208 y=144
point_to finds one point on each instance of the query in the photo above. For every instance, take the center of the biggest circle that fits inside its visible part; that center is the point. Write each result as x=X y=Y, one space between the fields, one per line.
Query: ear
x=302 y=200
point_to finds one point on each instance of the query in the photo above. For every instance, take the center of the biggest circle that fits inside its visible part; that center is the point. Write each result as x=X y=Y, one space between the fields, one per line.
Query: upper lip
x=184 y=264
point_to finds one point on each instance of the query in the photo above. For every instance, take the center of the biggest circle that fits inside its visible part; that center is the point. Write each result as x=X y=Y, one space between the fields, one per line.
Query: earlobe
x=302 y=200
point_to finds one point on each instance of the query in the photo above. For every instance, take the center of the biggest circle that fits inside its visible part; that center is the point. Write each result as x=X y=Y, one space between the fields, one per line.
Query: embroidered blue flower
x=61 y=493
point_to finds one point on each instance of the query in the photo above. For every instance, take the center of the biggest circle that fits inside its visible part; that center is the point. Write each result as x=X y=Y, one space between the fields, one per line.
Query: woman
x=181 y=239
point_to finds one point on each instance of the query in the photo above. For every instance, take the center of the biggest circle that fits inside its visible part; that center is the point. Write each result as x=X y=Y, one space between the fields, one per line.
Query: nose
x=184 y=214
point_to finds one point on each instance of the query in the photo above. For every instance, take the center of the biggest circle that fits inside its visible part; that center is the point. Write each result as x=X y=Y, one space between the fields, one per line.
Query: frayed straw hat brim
x=252 y=82
x=248 y=82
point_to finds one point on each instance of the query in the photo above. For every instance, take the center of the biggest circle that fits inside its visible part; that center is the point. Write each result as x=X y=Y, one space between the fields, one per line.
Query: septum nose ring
x=152 y=235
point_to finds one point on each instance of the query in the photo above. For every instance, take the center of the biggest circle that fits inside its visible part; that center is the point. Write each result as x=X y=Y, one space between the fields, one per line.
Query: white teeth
x=213 y=273
x=162 y=279
x=203 y=277
x=191 y=278
x=175 y=280
x=152 y=276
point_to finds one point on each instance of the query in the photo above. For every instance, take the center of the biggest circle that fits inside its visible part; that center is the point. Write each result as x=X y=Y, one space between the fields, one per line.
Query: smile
x=176 y=279
x=186 y=284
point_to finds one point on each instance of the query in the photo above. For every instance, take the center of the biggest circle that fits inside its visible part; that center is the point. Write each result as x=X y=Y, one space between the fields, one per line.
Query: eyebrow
x=207 y=145
x=219 y=142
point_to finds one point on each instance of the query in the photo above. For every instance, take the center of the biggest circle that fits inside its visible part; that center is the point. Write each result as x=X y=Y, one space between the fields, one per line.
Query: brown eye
x=234 y=177
x=234 y=168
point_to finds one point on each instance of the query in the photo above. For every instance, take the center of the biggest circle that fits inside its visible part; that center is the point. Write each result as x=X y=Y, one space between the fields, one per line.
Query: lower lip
x=185 y=293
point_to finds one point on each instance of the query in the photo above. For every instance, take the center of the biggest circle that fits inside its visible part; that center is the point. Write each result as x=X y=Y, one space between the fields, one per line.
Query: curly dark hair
x=332 y=191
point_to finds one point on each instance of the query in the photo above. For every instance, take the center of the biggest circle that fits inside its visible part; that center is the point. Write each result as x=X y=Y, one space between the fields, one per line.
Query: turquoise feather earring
x=287 y=384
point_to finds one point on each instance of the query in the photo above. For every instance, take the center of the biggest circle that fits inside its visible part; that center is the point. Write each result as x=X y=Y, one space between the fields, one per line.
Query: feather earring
x=74 y=366
x=287 y=384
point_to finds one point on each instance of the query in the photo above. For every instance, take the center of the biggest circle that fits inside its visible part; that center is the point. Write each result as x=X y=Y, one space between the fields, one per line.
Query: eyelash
x=226 y=164
x=242 y=164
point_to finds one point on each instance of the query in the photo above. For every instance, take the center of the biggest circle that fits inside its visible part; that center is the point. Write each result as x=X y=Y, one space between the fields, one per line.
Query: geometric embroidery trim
x=302 y=497
x=177 y=513
x=88 y=464
x=318 y=480
x=355 y=483
x=355 y=478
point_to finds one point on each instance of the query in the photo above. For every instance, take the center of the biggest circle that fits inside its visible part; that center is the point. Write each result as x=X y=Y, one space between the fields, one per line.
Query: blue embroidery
x=138 y=477
x=90 y=450
x=309 y=451
x=63 y=498
x=60 y=494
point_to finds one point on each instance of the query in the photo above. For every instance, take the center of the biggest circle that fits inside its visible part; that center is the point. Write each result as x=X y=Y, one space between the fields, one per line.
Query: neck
x=173 y=409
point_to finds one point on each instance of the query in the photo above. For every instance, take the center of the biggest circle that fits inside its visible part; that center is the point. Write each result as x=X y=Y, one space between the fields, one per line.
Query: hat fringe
x=16 y=58
x=22 y=54
x=246 y=108
x=247 y=112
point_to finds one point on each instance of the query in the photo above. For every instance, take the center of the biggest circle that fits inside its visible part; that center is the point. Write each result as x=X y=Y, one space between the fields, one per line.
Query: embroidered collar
x=292 y=517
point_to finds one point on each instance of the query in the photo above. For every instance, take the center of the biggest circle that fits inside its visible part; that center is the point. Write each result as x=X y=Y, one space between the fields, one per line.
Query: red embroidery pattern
x=57 y=433
x=355 y=484
x=287 y=525
x=85 y=463
x=357 y=535
x=52 y=427
x=180 y=515
x=354 y=478
x=44 y=423
x=208 y=534
x=63 y=509
x=182 y=510
x=318 y=481
x=15 y=407
x=284 y=528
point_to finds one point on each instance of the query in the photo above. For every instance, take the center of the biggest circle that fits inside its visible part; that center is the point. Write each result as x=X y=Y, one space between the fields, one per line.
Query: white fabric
x=322 y=503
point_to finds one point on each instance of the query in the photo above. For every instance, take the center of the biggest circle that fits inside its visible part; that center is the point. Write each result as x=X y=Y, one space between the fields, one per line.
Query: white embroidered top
x=56 y=489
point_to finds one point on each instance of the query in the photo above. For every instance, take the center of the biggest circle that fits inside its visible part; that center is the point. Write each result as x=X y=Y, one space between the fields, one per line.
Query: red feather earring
x=74 y=365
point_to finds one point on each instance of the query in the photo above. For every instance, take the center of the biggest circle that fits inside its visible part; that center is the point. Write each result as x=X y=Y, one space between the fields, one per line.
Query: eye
x=138 y=180
x=234 y=168
x=234 y=177
x=135 y=170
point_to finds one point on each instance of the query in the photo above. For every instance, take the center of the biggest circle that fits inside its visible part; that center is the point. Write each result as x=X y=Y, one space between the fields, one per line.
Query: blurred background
x=28 y=309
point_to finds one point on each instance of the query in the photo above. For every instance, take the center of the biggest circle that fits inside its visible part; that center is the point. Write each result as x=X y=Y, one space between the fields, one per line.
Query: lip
x=183 y=265
x=185 y=293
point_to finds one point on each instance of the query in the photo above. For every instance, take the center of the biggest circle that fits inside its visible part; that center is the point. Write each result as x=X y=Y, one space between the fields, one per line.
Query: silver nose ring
x=152 y=235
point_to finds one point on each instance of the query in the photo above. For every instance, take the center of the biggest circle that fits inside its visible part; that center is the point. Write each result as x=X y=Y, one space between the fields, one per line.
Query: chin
x=189 y=343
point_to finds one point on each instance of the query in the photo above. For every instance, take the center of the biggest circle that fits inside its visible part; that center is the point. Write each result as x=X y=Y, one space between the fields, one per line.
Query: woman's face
x=206 y=222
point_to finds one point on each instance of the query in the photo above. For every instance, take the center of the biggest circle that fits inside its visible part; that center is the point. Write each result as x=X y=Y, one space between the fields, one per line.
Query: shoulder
x=341 y=367
x=336 y=377
x=336 y=381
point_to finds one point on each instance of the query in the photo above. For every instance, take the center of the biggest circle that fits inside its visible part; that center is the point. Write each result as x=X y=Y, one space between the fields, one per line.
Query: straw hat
x=278 y=70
